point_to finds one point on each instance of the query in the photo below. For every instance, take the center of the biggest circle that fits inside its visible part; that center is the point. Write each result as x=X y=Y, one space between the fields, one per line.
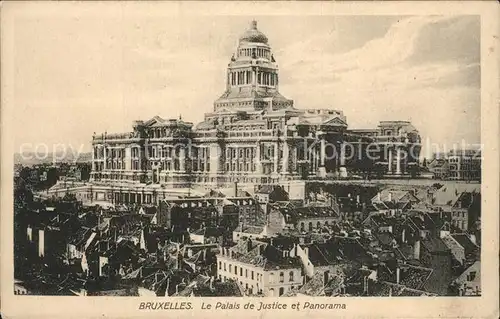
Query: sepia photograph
x=249 y=155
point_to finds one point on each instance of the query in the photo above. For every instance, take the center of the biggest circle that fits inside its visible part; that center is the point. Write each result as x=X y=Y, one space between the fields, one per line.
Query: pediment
x=336 y=121
x=155 y=121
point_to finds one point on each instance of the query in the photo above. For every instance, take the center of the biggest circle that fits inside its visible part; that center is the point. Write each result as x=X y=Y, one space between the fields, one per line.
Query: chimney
x=357 y=199
x=325 y=277
x=397 y=274
x=390 y=196
x=416 y=249
x=212 y=283
x=403 y=235
x=41 y=242
x=168 y=286
x=29 y=232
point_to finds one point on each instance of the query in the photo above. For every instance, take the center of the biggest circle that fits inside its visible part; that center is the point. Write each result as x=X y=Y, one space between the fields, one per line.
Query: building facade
x=457 y=165
x=252 y=135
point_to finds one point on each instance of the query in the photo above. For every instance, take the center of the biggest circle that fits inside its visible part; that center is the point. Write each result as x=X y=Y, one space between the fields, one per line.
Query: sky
x=78 y=75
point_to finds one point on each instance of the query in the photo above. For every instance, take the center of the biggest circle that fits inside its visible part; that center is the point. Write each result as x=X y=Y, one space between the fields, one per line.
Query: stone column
x=214 y=157
x=342 y=154
x=276 y=153
x=182 y=159
x=258 y=164
x=285 y=157
x=389 y=165
x=128 y=158
x=236 y=158
x=322 y=155
x=207 y=159
x=398 y=161
x=313 y=159
x=105 y=156
x=342 y=168
x=322 y=151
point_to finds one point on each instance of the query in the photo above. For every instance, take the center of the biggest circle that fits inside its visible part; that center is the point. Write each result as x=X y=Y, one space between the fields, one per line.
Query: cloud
x=397 y=77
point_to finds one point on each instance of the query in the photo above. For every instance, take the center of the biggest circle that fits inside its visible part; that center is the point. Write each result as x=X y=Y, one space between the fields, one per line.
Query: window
x=282 y=277
x=235 y=270
x=241 y=271
x=224 y=266
x=252 y=274
x=230 y=267
x=271 y=277
x=291 y=276
x=246 y=273
x=220 y=264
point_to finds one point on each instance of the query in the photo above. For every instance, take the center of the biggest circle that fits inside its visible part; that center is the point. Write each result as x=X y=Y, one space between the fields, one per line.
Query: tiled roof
x=234 y=94
x=449 y=194
x=209 y=232
x=263 y=255
x=465 y=241
x=265 y=189
x=413 y=277
x=295 y=214
x=250 y=229
x=435 y=244
x=476 y=266
x=80 y=237
x=199 y=280
x=315 y=286
x=388 y=195
x=384 y=289
x=229 y=288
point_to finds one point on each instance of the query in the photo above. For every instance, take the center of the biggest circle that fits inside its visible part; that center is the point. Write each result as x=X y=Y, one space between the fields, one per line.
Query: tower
x=252 y=76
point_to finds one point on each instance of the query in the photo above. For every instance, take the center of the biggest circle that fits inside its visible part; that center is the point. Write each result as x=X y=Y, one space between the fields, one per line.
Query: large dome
x=253 y=35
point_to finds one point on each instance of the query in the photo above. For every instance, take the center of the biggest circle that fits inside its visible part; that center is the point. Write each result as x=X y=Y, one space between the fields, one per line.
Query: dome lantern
x=253 y=34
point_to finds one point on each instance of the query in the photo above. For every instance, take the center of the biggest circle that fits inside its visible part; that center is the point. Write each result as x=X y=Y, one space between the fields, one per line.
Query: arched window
x=290 y=278
x=310 y=226
x=318 y=225
x=282 y=277
x=302 y=226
